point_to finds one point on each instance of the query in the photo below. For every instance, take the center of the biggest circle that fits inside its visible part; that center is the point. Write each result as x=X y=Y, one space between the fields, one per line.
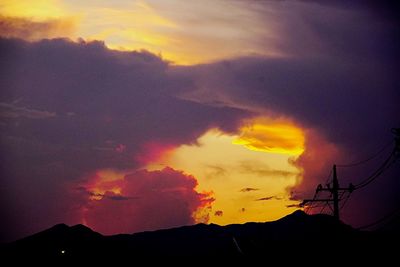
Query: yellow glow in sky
x=275 y=137
x=37 y=10
x=248 y=184
x=104 y=182
x=184 y=32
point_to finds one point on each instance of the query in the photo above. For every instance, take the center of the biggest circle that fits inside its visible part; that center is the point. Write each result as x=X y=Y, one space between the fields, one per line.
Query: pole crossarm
x=337 y=192
x=305 y=201
x=334 y=190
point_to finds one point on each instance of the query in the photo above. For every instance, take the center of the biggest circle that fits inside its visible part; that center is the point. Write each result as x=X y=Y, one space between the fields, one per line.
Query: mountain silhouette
x=288 y=239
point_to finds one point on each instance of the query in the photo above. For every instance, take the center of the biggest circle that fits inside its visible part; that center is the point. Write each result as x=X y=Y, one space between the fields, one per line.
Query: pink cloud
x=316 y=163
x=153 y=151
x=146 y=200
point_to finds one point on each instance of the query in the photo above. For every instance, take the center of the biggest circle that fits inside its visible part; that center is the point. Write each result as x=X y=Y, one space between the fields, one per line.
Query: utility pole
x=335 y=194
x=334 y=190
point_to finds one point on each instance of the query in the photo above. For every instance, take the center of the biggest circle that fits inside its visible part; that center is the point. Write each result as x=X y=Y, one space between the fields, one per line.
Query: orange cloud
x=102 y=182
x=184 y=32
x=24 y=28
x=272 y=136
x=237 y=176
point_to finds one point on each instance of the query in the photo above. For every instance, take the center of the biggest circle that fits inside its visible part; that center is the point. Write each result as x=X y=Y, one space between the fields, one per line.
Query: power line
x=323 y=208
x=334 y=191
x=385 y=165
x=383 y=219
x=367 y=159
x=328 y=180
x=345 y=201
x=337 y=193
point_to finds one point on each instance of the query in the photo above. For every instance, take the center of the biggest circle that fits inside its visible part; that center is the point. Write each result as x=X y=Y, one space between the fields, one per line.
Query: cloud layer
x=69 y=109
x=339 y=84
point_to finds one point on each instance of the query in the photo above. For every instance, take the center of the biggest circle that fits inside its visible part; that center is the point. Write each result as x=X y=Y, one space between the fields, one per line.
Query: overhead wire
x=310 y=207
x=328 y=180
x=393 y=156
x=367 y=159
x=323 y=208
x=385 y=165
x=346 y=199
x=381 y=220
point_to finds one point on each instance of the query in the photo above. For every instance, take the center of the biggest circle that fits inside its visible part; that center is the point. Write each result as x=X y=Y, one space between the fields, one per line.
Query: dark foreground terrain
x=296 y=238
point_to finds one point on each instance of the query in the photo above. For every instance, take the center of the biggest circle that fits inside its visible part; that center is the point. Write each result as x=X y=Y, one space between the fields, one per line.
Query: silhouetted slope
x=296 y=235
x=57 y=241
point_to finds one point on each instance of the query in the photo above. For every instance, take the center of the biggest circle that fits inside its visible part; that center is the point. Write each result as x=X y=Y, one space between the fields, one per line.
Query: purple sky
x=68 y=109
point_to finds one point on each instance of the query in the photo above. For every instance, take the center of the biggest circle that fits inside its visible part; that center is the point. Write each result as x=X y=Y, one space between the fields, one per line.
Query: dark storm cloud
x=348 y=90
x=388 y=9
x=339 y=80
x=117 y=99
x=68 y=109
x=327 y=28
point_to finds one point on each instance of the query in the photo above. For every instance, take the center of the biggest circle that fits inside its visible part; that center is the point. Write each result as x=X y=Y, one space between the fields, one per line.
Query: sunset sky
x=141 y=115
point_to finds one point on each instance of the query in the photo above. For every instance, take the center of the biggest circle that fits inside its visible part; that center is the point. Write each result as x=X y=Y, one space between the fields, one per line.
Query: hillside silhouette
x=289 y=239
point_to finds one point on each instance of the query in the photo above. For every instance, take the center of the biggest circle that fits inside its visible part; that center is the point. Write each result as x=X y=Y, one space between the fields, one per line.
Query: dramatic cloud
x=144 y=200
x=216 y=162
x=316 y=162
x=339 y=84
x=103 y=99
x=270 y=136
x=69 y=109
